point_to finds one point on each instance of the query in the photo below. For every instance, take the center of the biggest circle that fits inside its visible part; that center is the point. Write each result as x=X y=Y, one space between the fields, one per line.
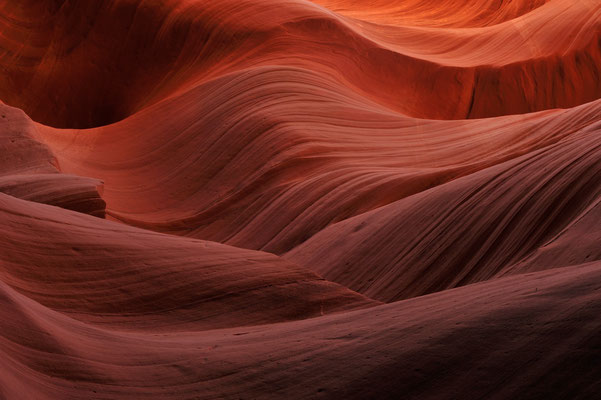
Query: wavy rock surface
x=467 y=230
x=467 y=339
x=29 y=170
x=272 y=172
x=271 y=178
x=107 y=273
x=546 y=58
